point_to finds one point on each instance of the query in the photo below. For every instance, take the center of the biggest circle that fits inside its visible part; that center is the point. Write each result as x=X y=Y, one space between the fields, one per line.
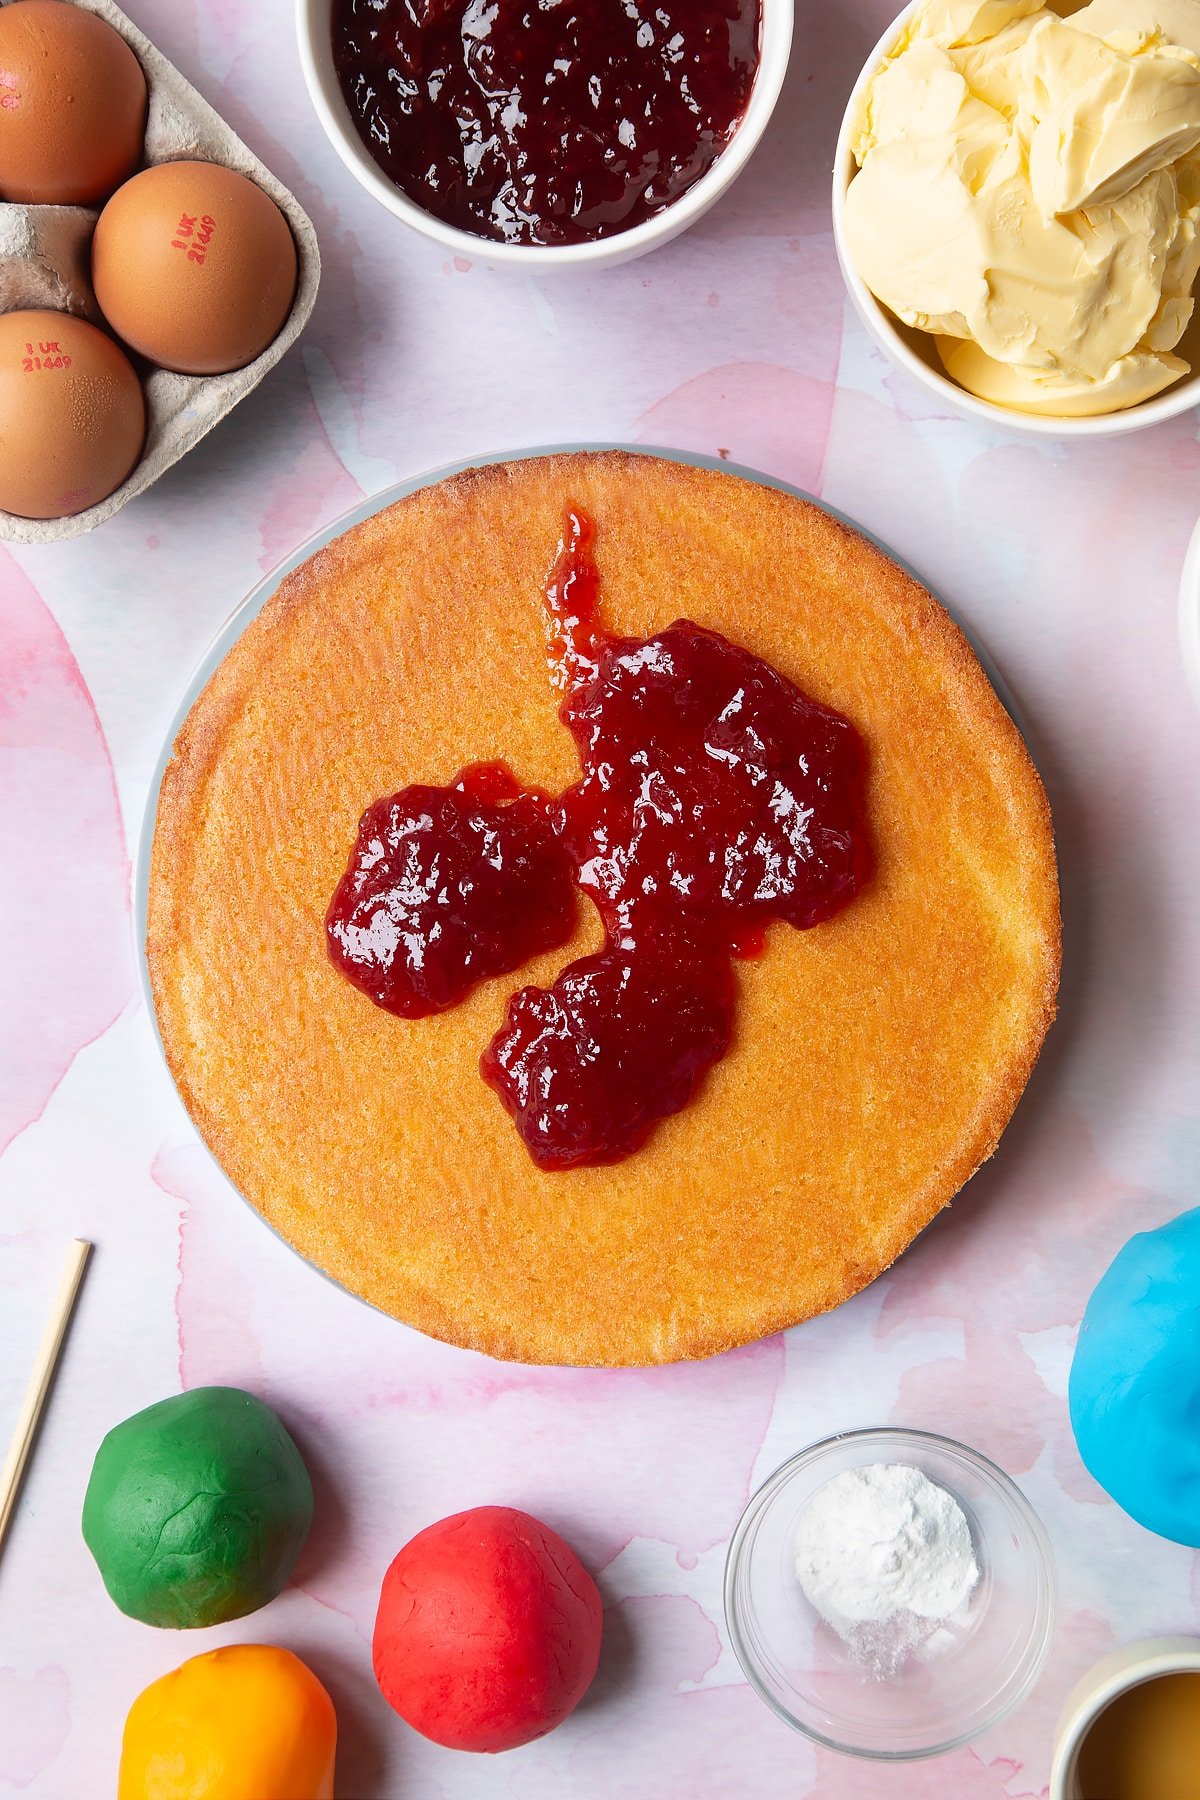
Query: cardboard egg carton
x=45 y=257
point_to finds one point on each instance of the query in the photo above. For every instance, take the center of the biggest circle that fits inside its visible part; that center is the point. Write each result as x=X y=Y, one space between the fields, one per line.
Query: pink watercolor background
x=736 y=341
x=65 y=866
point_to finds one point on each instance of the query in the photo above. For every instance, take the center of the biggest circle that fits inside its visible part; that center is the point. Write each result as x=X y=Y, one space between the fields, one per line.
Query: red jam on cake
x=446 y=887
x=545 y=121
x=715 y=798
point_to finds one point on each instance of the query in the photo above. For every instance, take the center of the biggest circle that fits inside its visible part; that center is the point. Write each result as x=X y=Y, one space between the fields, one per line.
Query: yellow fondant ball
x=235 y=1724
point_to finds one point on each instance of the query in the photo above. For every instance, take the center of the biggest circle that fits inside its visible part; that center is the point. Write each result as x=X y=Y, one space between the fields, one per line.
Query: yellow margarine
x=1149 y=23
x=1029 y=192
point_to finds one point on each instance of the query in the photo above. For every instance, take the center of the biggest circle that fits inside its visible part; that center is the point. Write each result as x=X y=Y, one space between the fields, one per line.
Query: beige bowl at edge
x=1117 y=1673
x=916 y=352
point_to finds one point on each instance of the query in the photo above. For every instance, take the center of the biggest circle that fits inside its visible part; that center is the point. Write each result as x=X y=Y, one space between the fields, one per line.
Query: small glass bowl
x=965 y=1679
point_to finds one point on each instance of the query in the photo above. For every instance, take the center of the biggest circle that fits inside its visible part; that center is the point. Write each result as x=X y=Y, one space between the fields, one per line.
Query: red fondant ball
x=488 y=1630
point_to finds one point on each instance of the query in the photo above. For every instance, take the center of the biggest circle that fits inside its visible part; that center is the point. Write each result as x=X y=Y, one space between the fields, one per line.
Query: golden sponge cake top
x=877 y=1057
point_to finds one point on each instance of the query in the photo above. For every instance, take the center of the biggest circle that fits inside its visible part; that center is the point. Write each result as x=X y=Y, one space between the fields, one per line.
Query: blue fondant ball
x=1135 y=1380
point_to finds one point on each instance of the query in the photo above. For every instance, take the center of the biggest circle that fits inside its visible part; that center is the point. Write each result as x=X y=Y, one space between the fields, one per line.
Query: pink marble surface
x=1065 y=562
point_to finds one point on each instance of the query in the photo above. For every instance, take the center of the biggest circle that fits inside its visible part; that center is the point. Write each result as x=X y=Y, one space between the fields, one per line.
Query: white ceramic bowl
x=977 y=1669
x=1117 y=1673
x=316 y=57
x=917 y=354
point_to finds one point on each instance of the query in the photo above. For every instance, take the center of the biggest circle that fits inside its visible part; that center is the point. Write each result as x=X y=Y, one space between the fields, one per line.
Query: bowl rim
x=316 y=61
x=1181 y=398
x=891 y=1437
x=1114 y=1675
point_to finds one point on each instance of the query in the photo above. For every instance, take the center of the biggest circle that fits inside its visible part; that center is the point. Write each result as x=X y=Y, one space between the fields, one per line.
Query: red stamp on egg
x=193 y=235
x=45 y=354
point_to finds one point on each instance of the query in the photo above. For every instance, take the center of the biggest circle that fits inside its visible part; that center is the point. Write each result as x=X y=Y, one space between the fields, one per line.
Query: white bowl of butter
x=1016 y=208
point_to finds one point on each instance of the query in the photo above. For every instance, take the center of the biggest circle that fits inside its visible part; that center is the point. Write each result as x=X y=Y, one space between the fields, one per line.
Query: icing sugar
x=885 y=1556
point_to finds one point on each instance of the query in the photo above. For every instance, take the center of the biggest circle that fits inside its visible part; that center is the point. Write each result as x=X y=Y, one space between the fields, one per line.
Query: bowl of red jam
x=545 y=133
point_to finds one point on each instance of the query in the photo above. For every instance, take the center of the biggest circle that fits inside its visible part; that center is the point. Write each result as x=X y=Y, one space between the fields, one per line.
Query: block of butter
x=1028 y=191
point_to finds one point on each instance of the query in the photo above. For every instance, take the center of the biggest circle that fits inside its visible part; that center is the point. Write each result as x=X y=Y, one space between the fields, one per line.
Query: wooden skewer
x=40 y=1380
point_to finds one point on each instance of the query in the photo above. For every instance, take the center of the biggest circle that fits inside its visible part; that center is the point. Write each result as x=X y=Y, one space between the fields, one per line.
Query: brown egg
x=72 y=415
x=194 y=267
x=72 y=105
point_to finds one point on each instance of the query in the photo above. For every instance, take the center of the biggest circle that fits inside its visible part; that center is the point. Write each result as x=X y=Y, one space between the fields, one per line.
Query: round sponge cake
x=877 y=1057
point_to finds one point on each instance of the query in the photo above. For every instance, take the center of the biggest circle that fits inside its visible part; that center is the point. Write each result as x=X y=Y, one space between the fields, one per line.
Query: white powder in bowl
x=885 y=1556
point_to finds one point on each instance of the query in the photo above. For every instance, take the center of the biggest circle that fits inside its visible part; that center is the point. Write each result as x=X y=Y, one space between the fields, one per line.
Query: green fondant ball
x=197 y=1508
